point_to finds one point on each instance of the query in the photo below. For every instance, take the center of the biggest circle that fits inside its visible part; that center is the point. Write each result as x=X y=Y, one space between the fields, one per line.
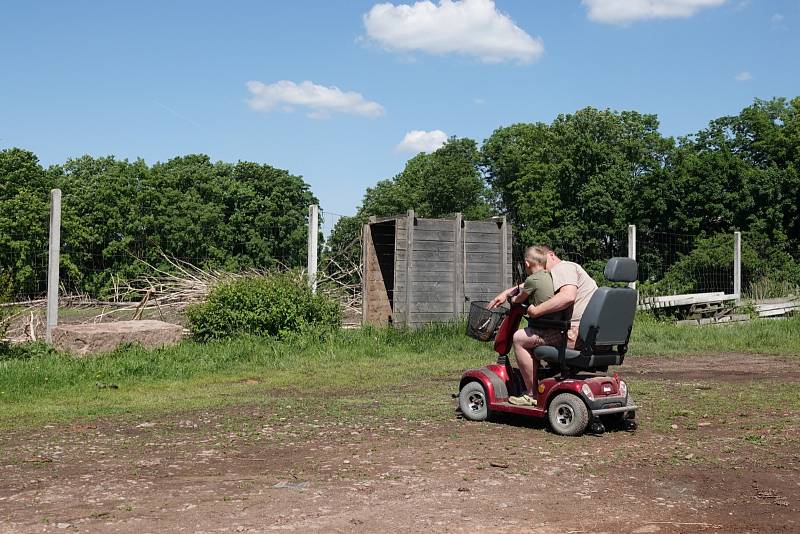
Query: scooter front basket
x=483 y=321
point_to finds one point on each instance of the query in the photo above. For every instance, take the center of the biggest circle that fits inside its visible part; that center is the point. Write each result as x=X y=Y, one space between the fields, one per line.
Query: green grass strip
x=400 y=369
x=759 y=336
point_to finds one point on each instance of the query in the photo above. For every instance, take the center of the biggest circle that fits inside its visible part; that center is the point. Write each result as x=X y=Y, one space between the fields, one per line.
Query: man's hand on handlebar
x=504 y=297
x=499 y=299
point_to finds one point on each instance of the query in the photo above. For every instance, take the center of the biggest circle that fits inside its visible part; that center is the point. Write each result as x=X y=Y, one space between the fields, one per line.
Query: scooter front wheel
x=473 y=403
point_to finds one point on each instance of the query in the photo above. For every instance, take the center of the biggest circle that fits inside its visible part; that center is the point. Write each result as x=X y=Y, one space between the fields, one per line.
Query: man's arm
x=563 y=299
x=501 y=297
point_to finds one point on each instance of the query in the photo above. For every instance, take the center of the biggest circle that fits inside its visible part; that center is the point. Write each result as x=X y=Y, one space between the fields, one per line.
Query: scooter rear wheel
x=473 y=403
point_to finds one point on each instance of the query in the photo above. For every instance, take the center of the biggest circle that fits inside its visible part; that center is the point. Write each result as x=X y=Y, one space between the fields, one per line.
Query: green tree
x=24 y=216
x=99 y=220
x=116 y=213
x=266 y=215
x=574 y=182
x=438 y=184
x=742 y=172
x=182 y=212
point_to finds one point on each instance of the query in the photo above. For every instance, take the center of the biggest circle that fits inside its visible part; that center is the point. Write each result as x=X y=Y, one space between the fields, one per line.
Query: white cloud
x=626 y=11
x=744 y=76
x=471 y=27
x=421 y=141
x=319 y=99
x=777 y=18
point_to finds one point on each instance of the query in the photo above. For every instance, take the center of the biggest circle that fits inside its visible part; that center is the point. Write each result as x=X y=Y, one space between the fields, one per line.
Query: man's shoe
x=523 y=400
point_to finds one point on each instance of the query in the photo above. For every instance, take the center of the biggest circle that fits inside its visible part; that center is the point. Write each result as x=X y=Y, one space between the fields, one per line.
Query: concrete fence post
x=632 y=247
x=53 y=263
x=737 y=266
x=313 y=247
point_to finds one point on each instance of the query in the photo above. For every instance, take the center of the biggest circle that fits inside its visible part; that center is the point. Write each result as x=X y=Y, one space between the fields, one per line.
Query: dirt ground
x=258 y=469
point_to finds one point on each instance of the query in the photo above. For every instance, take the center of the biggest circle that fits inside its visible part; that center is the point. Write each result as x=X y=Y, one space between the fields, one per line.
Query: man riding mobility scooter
x=575 y=389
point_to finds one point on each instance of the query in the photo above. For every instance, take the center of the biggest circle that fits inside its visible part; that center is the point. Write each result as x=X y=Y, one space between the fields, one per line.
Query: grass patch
x=38 y=385
x=742 y=406
x=765 y=336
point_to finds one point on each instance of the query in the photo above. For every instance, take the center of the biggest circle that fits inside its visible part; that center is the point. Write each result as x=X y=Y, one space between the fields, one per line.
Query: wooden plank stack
x=778 y=307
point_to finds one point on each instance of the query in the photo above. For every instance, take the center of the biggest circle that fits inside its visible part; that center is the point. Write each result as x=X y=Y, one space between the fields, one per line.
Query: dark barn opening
x=383 y=236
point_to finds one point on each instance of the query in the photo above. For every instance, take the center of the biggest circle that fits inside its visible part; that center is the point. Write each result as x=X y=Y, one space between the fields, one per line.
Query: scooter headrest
x=621 y=270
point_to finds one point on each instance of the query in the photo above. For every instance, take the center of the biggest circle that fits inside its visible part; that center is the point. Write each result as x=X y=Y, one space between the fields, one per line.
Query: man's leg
x=572 y=337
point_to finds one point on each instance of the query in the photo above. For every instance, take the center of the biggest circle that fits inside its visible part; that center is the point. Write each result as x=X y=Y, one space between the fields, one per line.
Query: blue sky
x=160 y=79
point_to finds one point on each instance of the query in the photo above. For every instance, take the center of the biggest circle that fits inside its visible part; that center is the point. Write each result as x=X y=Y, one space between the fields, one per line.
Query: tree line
x=574 y=183
x=117 y=214
x=577 y=182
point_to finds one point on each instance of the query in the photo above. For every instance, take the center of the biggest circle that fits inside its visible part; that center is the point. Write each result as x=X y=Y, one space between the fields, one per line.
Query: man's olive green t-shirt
x=539 y=287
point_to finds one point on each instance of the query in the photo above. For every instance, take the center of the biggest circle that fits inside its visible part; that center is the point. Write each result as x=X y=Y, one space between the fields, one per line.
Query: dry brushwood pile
x=165 y=292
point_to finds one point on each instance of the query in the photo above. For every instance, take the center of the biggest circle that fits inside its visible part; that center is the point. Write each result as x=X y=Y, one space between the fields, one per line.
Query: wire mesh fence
x=767 y=276
x=23 y=284
x=669 y=263
x=340 y=268
x=672 y=264
x=23 y=270
x=122 y=276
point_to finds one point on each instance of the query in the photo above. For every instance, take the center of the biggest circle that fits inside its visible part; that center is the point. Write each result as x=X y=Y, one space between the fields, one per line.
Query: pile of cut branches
x=165 y=292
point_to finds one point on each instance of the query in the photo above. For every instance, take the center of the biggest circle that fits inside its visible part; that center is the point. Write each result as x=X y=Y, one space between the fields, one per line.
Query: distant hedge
x=273 y=305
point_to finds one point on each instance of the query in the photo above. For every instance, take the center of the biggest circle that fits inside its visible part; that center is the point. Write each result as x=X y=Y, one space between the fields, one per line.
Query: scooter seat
x=549 y=354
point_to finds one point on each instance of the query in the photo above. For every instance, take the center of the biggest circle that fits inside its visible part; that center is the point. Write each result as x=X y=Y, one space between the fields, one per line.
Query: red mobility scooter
x=575 y=390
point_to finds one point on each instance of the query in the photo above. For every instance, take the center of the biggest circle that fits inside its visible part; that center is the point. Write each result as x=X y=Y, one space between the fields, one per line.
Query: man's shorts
x=535 y=337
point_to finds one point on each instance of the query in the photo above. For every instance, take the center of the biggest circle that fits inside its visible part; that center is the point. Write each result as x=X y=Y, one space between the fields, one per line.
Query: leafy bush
x=273 y=305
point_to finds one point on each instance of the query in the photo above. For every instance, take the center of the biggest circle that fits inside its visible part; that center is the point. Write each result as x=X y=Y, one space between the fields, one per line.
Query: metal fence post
x=53 y=264
x=737 y=266
x=313 y=236
x=632 y=247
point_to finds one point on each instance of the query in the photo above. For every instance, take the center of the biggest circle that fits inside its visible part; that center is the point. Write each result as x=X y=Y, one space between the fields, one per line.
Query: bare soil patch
x=261 y=468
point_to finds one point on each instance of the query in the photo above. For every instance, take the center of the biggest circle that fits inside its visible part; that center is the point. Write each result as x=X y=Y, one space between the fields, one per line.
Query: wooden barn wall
x=450 y=260
x=486 y=272
x=432 y=272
